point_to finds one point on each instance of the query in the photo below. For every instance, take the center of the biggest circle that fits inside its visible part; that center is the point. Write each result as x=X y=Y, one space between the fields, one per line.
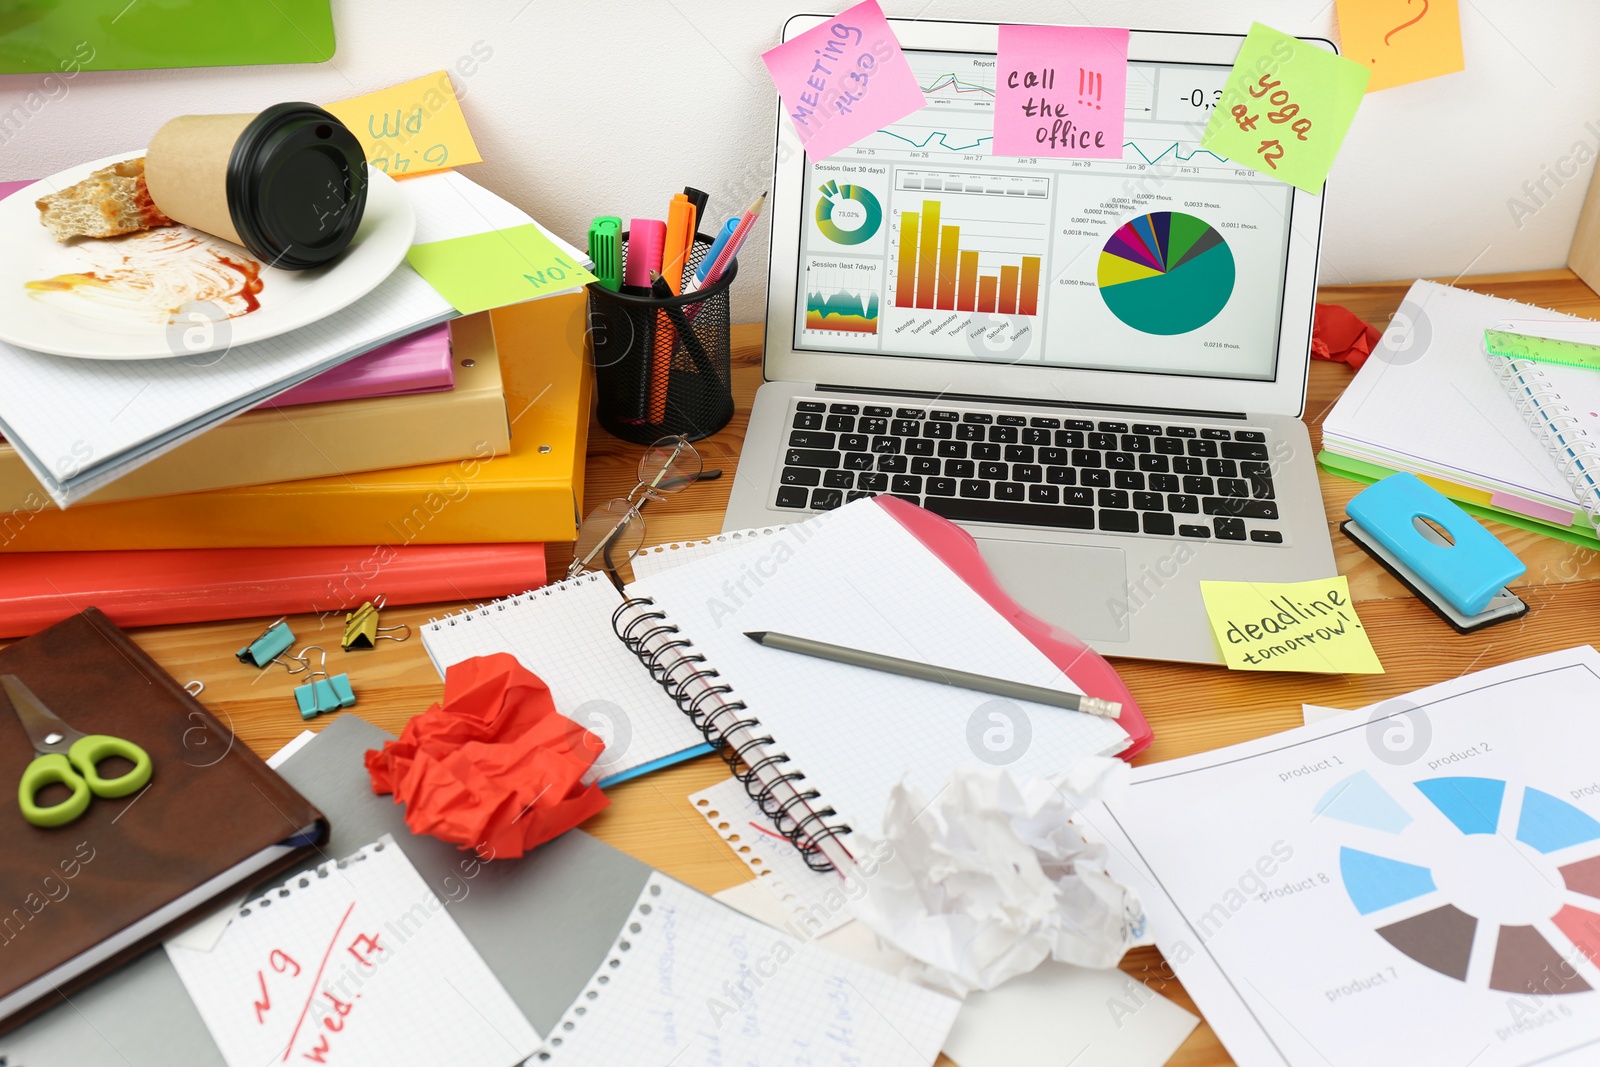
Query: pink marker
x=646 y=238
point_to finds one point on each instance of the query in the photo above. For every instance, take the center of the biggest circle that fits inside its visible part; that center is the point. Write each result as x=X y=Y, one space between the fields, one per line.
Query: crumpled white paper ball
x=991 y=877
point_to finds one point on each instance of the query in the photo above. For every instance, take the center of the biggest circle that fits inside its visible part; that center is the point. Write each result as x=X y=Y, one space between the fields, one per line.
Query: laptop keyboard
x=1156 y=479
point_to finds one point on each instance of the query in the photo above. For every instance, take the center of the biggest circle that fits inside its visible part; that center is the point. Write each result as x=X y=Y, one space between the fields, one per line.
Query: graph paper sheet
x=658 y=558
x=563 y=634
x=693 y=983
x=856 y=577
x=813 y=900
x=354 y=963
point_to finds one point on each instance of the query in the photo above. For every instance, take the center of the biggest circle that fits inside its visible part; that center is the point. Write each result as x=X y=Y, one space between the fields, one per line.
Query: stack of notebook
x=1507 y=439
x=343 y=447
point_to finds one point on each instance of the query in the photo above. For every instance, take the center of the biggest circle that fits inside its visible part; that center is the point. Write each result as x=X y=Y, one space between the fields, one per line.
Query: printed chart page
x=1419 y=884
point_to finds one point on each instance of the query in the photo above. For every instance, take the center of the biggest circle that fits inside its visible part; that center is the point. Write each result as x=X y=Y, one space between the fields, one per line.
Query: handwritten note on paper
x=411 y=128
x=490 y=270
x=844 y=79
x=1401 y=40
x=1286 y=108
x=357 y=964
x=1289 y=626
x=1060 y=91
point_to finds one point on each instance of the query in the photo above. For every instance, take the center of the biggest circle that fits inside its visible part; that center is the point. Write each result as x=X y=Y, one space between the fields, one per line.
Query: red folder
x=38 y=589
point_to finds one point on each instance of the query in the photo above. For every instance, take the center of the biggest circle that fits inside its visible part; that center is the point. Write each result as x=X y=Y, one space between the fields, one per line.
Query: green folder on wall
x=66 y=36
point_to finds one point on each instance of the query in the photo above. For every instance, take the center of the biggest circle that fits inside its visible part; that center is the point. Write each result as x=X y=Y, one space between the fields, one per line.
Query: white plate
x=175 y=267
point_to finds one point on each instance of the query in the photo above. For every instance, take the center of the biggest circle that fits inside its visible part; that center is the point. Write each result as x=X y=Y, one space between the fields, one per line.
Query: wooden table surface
x=1192 y=708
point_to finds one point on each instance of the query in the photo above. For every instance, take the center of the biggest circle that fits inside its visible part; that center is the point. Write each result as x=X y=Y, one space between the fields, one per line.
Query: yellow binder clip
x=361 y=629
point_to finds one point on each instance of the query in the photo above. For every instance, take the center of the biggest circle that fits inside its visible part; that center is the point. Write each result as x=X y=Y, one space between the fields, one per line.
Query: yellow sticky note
x=411 y=128
x=1289 y=626
x=1285 y=108
x=1401 y=41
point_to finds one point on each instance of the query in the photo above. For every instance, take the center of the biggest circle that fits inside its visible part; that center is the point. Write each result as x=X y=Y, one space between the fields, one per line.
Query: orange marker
x=679 y=243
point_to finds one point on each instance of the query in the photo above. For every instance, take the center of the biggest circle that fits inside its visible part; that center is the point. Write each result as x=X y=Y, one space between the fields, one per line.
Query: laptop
x=1095 y=367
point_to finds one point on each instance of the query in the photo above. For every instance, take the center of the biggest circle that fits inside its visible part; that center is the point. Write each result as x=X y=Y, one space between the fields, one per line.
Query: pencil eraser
x=646 y=237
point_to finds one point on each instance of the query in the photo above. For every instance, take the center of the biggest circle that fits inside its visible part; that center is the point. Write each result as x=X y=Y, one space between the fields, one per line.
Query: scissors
x=70 y=758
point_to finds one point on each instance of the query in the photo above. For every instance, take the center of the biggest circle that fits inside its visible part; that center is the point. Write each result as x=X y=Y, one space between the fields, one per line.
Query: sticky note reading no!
x=1289 y=626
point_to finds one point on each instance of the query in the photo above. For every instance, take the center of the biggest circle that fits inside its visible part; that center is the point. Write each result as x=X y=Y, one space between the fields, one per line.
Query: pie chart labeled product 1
x=1166 y=273
x=848 y=214
x=1529 y=860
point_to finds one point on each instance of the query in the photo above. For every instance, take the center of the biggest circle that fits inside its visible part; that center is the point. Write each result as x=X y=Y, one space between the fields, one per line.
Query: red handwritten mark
x=370 y=943
x=321 y=1050
x=769 y=833
x=314 y=982
x=341 y=1009
x=282 y=961
x=263 y=1005
x=1403 y=25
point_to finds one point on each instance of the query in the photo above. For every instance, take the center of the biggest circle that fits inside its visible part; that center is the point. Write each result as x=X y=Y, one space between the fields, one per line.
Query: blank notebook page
x=692 y=983
x=563 y=634
x=856 y=577
x=354 y=963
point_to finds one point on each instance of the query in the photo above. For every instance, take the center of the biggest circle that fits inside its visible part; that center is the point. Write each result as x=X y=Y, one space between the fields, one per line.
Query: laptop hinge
x=1065 y=405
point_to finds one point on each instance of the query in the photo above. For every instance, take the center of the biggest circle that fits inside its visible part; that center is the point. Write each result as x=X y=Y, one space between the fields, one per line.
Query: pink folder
x=419 y=363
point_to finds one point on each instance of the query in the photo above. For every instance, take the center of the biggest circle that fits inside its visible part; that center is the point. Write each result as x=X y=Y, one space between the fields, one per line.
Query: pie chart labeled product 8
x=1166 y=273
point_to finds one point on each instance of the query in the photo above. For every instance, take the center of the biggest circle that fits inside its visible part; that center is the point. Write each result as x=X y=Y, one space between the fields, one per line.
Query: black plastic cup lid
x=297 y=186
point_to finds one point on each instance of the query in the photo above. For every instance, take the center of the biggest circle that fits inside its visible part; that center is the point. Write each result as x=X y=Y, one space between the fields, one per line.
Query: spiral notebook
x=823 y=743
x=1429 y=402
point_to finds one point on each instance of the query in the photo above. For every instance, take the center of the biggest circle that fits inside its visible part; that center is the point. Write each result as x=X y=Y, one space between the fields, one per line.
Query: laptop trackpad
x=1074 y=586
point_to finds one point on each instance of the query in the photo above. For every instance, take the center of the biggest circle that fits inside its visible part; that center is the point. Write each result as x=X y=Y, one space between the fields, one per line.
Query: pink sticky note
x=844 y=79
x=1060 y=91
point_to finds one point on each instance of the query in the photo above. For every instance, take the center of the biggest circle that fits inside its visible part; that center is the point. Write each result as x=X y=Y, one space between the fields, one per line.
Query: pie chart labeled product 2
x=1531 y=912
x=1166 y=273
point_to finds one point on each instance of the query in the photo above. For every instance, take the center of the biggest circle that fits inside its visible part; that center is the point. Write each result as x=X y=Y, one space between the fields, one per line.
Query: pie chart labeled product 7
x=1166 y=273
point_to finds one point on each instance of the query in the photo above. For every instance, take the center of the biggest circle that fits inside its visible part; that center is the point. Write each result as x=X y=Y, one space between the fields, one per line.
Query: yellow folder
x=531 y=493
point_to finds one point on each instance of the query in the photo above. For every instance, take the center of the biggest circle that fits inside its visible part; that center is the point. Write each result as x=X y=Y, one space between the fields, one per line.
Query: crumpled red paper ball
x=1340 y=335
x=493 y=767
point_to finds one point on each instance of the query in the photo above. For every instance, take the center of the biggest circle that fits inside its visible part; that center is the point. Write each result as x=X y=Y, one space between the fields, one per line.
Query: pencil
x=906 y=668
x=691 y=340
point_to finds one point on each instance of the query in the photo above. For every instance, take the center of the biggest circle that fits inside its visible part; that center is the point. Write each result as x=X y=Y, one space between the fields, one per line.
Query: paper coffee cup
x=289 y=184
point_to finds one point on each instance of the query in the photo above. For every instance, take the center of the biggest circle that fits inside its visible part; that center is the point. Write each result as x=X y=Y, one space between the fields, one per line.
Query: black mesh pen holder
x=661 y=367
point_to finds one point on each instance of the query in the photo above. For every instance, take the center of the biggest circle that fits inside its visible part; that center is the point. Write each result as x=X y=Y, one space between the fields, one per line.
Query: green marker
x=1508 y=345
x=605 y=248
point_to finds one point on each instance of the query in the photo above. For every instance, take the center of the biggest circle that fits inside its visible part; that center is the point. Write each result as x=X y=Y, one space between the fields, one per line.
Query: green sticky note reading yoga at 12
x=1286 y=108
x=60 y=38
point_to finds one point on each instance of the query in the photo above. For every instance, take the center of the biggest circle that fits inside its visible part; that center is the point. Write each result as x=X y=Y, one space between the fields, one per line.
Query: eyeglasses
x=614 y=531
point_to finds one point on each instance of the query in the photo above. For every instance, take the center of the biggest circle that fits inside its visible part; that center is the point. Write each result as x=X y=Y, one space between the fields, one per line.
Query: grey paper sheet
x=542 y=923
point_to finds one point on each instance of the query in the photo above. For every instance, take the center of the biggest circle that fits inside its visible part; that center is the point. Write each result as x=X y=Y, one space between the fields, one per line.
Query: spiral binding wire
x=484 y=610
x=698 y=691
x=1553 y=422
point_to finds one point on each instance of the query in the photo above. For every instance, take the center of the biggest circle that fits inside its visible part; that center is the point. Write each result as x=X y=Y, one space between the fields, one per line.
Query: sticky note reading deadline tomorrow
x=411 y=128
x=490 y=270
x=1285 y=108
x=1400 y=41
x=1060 y=91
x=844 y=79
x=1289 y=626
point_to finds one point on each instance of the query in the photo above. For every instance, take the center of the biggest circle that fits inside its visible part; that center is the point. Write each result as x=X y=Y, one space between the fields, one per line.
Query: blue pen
x=716 y=249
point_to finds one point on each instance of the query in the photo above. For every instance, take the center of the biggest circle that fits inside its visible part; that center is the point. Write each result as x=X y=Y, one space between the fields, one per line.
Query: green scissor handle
x=79 y=771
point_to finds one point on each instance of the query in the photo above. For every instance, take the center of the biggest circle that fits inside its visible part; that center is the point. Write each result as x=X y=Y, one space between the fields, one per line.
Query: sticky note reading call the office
x=411 y=128
x=1285 y=108
x=1060 y=91
x=1289 y=626
x=1401 y=40
x=490 y=270
x=843 y=80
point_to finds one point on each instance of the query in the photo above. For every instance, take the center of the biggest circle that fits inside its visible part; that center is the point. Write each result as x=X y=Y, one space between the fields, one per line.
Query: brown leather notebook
x=81 y=899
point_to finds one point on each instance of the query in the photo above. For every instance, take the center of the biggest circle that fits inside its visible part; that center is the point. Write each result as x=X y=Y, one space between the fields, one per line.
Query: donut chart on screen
x=1400 y=895
x=1166 y=273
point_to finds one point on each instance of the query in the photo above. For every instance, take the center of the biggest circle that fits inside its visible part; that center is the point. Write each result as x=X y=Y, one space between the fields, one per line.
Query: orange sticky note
x=1401 y=41
x=411 y=128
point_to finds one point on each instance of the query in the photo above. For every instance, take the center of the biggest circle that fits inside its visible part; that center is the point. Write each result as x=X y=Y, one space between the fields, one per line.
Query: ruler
x=1510 y=345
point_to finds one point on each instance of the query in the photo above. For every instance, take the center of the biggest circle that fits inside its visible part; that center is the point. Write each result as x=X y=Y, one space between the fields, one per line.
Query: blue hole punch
x=1462 y=576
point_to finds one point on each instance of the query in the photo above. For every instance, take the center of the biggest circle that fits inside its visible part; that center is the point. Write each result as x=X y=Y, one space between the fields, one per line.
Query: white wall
x=1422 y=187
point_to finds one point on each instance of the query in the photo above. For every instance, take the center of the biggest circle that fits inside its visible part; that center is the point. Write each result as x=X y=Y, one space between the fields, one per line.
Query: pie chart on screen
x=1166 y=273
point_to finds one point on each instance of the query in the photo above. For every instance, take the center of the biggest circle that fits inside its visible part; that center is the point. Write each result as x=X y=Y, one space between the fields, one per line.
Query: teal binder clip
x=322 y=694
x=273 y=642
x=1462 y=574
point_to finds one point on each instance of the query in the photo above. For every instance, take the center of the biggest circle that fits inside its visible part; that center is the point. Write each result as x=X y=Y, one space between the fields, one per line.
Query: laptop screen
x=918 y=241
